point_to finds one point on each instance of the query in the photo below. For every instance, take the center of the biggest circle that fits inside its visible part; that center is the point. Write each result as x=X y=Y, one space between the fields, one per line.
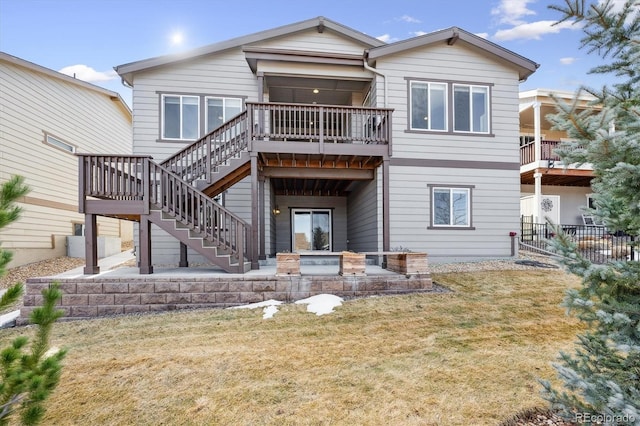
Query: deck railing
x=279 y=122
x=320 y=123
x=116 y=177
x=139 y=179
x=528 y=152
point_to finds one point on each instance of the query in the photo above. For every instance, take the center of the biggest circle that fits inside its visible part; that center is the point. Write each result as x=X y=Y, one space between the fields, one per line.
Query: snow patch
x=322 y=303
x=270 y=307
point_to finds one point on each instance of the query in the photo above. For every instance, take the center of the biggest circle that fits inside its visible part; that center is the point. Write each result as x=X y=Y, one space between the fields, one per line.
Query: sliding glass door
x=311 y=230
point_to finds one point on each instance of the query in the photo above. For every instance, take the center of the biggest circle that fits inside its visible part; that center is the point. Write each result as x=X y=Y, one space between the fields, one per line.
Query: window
x=451 y=207
x=470 y=108
x=59 y=143
x=449 y=107
x=220 y=110
x=428 y=106
x=180 y=117
x=78 y=229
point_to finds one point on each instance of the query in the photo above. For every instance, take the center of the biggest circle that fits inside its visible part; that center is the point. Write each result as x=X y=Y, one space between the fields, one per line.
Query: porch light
x=276 y=211
x=316 y=91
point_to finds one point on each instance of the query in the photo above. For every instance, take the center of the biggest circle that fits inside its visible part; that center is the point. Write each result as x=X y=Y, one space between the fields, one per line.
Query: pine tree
x=27 y=376
x=601 y=379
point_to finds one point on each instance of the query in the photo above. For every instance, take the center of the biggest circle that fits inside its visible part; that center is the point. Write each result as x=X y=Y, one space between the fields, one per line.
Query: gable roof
x=320 y=22
x=114 y=96
x=452 y=35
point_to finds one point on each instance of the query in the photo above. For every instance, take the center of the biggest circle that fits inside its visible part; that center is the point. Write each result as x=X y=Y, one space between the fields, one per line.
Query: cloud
x=567 y=61
x=511 y=11
x=533 y=30
x=387 y=38
x=417 y=33
x=483 y=35
x=86 y=73
x=410 y=19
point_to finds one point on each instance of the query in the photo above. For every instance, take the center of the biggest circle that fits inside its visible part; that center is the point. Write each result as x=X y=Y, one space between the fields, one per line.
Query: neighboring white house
x=549 y=188
x=45 y=119
x=326 y=139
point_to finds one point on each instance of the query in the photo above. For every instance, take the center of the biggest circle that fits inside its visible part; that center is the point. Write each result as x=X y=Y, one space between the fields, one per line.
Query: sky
x=90 y=37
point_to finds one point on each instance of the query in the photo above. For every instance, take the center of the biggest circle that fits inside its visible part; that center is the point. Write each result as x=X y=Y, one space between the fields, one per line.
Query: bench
x=352 y=264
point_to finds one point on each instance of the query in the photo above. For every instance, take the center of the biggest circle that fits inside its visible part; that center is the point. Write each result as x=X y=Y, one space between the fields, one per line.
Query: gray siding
x=227 y=74
x=365 y=217
x=454 y=63
x=494 y=212
x=311 y=40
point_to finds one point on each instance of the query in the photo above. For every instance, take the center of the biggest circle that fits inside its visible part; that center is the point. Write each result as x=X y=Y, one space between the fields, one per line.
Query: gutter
x=381 y=74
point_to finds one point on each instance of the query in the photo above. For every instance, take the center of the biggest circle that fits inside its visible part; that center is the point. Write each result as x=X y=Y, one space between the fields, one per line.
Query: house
x=315 y=137
x=45 y=119
x=550 y=188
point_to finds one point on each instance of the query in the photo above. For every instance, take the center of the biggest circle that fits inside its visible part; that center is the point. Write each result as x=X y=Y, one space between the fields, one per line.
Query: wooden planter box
x=408 y=263
x=287 y=264
x=352 y=263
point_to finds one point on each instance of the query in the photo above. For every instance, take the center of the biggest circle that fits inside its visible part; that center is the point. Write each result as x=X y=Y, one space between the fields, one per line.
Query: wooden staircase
x=176 y=195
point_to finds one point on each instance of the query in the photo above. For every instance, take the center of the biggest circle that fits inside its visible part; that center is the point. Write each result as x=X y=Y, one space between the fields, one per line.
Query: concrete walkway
x=111 y=267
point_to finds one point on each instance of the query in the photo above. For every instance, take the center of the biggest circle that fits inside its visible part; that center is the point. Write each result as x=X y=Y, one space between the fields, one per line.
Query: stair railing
x=199 y=213
x=138 y=179
x=203 y=157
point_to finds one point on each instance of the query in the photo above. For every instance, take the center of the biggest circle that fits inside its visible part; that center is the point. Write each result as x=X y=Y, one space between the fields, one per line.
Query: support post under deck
x=184 y=261
x=144 y=236
x=91 y=244
x=255 y=211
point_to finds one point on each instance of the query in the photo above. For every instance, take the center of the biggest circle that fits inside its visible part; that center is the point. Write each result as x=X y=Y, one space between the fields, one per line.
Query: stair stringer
x=227 y=175
x=194 y=240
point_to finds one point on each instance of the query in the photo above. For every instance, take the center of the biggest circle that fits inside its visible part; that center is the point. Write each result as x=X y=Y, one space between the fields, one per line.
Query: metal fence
x=595 y=243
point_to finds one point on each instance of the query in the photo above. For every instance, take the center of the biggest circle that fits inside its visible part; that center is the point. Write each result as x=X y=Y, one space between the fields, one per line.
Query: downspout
x=381 y=74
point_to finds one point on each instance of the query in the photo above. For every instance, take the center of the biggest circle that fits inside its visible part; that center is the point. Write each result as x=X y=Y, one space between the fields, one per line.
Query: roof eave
x=126 y=71
x=525 y=66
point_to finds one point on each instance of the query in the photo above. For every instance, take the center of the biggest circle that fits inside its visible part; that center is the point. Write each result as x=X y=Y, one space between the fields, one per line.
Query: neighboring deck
x=547 y=162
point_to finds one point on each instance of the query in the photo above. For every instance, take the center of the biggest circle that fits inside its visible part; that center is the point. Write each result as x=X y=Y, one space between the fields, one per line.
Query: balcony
x=549 y=164
x=528 y=152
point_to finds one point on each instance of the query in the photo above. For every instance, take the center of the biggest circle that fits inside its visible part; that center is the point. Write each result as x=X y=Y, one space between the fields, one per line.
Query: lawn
x=471 y=356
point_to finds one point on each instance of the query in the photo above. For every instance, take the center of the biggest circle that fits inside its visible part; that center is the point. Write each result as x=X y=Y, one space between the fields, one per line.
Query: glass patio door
x=311 y=230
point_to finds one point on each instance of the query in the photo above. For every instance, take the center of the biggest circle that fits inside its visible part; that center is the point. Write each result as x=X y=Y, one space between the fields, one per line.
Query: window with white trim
x=180 y=117
x=220 y=110
x=470 y=108
x=450 y=107
x=451 y=206
x=59 y=143
x=428 y=106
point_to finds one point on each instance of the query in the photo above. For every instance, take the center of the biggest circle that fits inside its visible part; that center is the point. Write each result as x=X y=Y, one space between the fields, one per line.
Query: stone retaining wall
x=95 y=297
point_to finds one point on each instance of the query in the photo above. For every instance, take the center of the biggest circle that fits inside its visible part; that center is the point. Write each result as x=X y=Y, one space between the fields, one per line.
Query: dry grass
x=467 y=357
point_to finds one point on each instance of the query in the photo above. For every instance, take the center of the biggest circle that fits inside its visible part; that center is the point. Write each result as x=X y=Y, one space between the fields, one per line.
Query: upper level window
x=428 y=106
x=470 y=108
x=59 y=143
x=180 y=117
x=220 y=110
x=449 y=107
